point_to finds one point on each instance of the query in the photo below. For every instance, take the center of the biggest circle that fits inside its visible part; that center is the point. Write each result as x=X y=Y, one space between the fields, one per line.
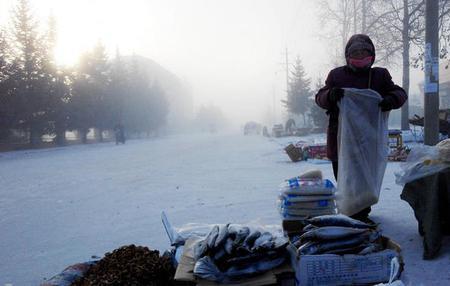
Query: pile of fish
x=306 y=196
x=338 y=234
x=232 y=252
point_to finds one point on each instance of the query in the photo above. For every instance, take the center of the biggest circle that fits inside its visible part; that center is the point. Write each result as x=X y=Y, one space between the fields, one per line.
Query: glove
x=335 y=95
x=387 y=103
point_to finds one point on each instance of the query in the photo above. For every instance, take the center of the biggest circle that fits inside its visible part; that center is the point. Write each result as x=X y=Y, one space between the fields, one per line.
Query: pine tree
x=159 y=107
x=58 y=86
x=136 y=106
x=146 y=106
x=31 y=86
x=299 y=91
x=7 y=117
x=318 y=115
x=90 y=105
x=118 y=89
x=81 y=109
x=100 y=79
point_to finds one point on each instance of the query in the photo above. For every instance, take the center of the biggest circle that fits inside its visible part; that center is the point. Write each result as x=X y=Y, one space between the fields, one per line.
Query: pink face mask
x=362 y=63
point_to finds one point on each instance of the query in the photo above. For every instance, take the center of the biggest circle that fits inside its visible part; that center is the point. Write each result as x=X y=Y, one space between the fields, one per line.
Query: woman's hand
x=335 y=95
x=387 y=103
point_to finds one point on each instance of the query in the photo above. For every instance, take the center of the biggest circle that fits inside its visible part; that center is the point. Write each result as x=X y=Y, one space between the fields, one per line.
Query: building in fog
x=177 y=91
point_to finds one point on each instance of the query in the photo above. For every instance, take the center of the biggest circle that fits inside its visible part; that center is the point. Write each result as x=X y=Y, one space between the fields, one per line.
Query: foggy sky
x=230 y=51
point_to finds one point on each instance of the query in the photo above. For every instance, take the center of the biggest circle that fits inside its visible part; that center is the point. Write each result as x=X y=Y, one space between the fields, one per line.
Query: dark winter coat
x=346 y=77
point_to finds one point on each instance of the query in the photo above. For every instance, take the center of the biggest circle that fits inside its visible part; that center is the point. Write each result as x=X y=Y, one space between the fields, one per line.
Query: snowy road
x=61 y=206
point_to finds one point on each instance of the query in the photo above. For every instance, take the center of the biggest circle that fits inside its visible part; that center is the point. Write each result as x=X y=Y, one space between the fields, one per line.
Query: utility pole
x=363 y=15
x=431 y=87
x=287 y=71
x=354 y=17
x=287 y=76
x=406 y=64
x=274 y=115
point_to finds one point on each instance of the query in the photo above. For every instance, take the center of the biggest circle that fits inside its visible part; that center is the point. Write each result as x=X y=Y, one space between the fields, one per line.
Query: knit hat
x=359 y=42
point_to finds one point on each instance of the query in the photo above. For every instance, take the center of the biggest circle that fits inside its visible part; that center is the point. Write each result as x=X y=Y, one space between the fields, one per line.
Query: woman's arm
x=322 y=94
x=394 y=91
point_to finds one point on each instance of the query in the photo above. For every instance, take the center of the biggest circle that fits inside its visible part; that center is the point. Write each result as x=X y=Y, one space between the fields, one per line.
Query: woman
x=357 y=73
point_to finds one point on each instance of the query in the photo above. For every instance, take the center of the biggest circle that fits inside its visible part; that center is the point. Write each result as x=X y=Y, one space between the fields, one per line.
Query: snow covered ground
x=61 y=206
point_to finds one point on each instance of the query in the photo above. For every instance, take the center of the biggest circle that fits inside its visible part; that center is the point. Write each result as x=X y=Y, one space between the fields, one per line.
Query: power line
x=286 y=63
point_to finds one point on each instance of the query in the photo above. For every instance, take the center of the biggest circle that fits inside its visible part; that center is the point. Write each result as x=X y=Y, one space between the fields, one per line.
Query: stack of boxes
x=306 y=196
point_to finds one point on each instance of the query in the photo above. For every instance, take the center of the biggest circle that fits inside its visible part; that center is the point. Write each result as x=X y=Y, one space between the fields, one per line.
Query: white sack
x=362 y=150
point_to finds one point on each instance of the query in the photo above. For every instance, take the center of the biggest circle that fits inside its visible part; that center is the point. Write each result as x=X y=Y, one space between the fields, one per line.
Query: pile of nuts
x=130 y=265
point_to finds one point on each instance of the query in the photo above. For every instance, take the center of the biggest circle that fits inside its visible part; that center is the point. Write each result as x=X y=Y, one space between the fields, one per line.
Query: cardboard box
x=294 y=153
x=330 y=269
x=318 y=151
x=283 y=275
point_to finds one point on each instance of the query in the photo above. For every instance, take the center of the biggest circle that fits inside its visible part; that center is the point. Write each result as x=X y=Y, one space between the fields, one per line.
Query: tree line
x=38 y=97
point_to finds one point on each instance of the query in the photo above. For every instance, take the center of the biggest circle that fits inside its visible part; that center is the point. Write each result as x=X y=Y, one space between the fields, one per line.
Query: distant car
x=252 y=127
x=277 y=130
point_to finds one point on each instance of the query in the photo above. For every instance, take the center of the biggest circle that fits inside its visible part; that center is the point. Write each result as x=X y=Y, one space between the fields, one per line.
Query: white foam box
x=350 y=269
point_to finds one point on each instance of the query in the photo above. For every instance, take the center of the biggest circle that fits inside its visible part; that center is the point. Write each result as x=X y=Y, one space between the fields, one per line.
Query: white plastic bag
x=394 y=279
x=178 y=236
x=362 y=150
x=444 y=150
x=307 y=187
x=422 y=161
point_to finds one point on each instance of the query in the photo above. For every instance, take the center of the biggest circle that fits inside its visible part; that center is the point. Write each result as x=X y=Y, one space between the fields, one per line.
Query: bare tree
x=404 y=24
x=342 y=18
x=396 y=27
x=337 y=22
